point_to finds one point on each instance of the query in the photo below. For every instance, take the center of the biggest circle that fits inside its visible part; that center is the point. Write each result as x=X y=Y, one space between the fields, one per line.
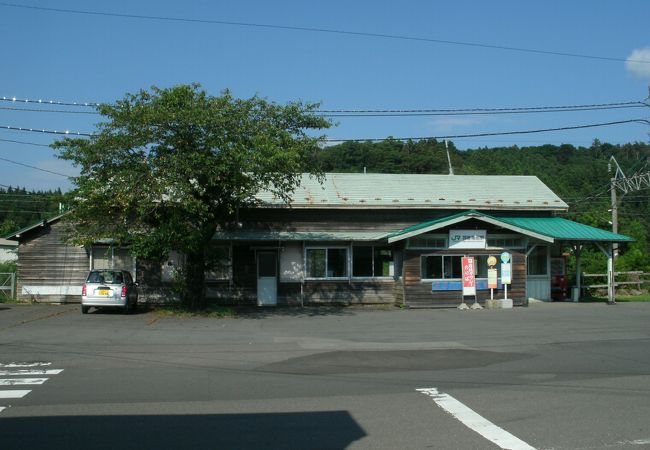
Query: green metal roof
x=270 y=235
x=40 y=223
x=548 y=229
x=428 y=191
x=563 y=229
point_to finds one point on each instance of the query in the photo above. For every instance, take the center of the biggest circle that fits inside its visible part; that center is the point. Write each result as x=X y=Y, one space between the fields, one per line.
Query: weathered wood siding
x=243 y=288
x=48 y=269
x=350 y=219
x=418 y=293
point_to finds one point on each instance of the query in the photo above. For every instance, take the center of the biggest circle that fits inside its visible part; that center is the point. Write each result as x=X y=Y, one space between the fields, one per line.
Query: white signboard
x=467 y=239
x=506 y=273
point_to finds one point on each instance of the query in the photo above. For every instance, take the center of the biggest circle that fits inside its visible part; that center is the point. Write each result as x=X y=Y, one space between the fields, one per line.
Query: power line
x=500 y=133
x=36 y=168
x=32 y=130
x=23 y=143
x=372 y=112
x=320 y=30
x=47 y=102
x=65 y=111
x=469 y=111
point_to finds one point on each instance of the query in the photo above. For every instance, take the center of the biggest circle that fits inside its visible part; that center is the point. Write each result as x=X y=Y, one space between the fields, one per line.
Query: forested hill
x=20 y=208
x=578 y=175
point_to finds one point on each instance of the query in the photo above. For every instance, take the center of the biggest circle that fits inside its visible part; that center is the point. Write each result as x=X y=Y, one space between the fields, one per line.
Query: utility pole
x=625 y=184
x=451 y=169
x=612 y=294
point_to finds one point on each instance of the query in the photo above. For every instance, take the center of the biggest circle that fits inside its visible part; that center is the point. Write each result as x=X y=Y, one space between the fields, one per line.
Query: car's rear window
x=108 y=277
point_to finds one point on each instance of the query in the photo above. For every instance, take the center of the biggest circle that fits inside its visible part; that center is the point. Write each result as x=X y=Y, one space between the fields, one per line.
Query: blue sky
x=70 y=57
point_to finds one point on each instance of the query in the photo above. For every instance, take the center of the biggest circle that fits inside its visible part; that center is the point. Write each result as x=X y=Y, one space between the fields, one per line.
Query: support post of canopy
x=611 y=280
x=577 y=249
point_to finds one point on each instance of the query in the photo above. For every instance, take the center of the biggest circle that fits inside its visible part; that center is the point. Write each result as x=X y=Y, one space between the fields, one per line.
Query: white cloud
x=634 y=65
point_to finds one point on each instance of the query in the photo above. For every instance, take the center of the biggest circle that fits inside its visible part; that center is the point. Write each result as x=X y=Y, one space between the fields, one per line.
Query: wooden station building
x=350 y=239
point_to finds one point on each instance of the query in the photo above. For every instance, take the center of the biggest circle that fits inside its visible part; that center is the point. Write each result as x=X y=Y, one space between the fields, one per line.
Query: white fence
x=7 y=286
x=635 y=278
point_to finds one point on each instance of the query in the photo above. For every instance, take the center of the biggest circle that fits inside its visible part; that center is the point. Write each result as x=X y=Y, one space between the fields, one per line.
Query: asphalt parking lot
x=552 y=376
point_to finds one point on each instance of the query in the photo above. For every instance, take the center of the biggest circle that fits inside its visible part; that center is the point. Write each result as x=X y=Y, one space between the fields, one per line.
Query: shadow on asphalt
x=303 y=430
x=345 y=362
x=296 y=311
x=117 y=311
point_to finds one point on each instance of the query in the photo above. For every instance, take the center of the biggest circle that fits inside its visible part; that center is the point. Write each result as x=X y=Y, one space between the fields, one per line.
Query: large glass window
x=362 y=262
x=537 y=261
x=111 y=258
x=218 y=259
x=441 y=267
x=326 y=262
x=372 y=261
x=316 y=262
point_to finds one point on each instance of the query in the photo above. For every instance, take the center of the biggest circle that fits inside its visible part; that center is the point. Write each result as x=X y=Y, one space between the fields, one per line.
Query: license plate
x=103 y=292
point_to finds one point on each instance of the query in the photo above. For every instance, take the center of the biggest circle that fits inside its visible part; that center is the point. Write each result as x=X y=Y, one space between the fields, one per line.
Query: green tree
x=169 y=167
x=7 y=226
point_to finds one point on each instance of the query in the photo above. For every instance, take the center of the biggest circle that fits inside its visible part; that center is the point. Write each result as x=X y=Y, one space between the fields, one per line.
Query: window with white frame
x=427 y=241
x=220 y=262
x=441 y=267
x=372 y=261
x=107 y=257
x=506 y=242
x=326 y=262
x=219 y=258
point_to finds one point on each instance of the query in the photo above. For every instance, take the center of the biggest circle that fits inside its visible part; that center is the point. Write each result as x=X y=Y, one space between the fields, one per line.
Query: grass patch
x=215 y=311
x=643 y=297
x=633 y=298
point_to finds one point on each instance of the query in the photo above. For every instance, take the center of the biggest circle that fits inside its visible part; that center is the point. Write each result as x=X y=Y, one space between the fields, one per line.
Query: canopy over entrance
x=547 y=229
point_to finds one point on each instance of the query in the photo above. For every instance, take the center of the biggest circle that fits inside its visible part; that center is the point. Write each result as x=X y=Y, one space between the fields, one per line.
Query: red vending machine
x=559 y=285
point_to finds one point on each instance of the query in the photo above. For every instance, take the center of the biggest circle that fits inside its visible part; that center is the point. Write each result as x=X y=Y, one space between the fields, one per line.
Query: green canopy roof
x=270 y=235
x=550 y=229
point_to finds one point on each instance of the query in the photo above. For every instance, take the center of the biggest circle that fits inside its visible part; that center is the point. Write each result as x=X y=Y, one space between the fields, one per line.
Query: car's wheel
x=127 y=308
x=85 y=309
x=134 y=307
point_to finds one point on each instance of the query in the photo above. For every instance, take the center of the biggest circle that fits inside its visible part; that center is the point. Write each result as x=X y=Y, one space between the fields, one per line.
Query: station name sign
x=467 y=239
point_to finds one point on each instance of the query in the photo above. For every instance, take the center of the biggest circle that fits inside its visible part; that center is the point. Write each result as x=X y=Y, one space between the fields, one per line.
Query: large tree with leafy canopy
x=169 y=167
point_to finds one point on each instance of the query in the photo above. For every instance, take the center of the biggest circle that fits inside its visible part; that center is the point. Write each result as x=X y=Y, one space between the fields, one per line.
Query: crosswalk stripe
x=22 y=372
x=18 y=372
x=17 y=381
x=14 y=393
x=32 y=364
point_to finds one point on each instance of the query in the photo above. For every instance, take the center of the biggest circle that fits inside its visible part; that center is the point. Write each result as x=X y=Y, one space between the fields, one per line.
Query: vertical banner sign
x=506 y=268
x=506 y=273
x=492 y=278
x=469 y=282
x=492 y=275
x=492 y=272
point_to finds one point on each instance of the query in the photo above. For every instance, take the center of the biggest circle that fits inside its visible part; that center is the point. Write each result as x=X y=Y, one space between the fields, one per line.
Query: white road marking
x=17 y=381
x=22 y=372
x=33 y=364
x=635 y=442
x=476 y=422
x=14 y=394
x=21 y=369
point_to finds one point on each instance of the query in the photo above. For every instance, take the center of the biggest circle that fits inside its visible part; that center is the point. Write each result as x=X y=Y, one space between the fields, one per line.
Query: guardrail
x=629 y=278
x=7 y=286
